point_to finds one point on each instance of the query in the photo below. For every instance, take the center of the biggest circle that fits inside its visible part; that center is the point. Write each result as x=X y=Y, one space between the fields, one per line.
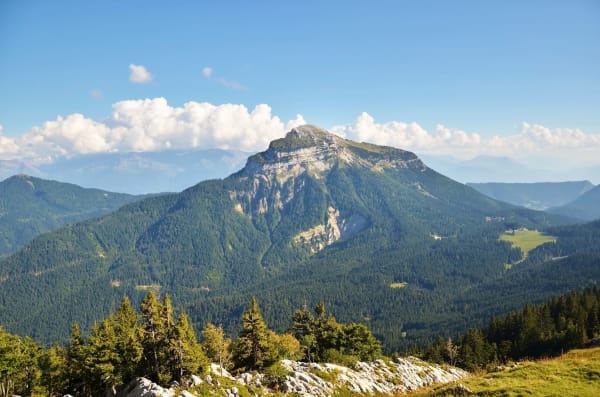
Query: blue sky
x=482 y=69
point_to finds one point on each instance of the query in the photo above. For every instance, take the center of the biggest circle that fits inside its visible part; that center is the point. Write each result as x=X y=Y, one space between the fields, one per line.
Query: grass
x=526 y=240
x=401 y=284
x=576 y=373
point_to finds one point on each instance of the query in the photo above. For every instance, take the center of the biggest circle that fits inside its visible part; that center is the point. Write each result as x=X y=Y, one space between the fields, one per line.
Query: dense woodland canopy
x=30 y=206
x=156 y=343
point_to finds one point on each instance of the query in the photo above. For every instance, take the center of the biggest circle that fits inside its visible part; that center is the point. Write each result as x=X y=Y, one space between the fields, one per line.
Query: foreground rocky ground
x=308 y=379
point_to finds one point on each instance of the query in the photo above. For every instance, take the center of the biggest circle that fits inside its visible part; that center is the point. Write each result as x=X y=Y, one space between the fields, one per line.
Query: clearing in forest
x=526 y=240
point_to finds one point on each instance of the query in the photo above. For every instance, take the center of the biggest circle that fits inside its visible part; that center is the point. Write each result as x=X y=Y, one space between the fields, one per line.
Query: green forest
x=162 y=346
x=157 y=343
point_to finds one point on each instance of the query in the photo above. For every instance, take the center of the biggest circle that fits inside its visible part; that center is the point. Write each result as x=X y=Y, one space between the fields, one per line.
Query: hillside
x=31 y=206
x=539 y=196
x=575 y=373
x=586 y=207
x=313 y=218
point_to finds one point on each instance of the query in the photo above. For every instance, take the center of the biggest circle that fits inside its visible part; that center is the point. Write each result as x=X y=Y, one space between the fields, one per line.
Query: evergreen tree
x=19 y=364
x=53 y=365
x=216 y=345
x=128 y=344
x=77 y=370
x=102 y=356
x=357 y=340
x=303 y=329
x=252 y=349
x=186 y=355
x=153 y=338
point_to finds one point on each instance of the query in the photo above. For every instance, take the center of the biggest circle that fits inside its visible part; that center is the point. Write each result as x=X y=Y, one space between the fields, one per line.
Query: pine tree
x=53 y=365
x=128 y=344
x=357 y=340
x=77 y=372
x=303 y=329
x=252 y=349
x=152 y=337
x=19 y=366
x=186 y=355
x=216 y=346
x=102 y=357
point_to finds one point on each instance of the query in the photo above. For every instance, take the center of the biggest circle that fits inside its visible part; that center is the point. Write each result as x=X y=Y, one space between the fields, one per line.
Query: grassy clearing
x=576 y=373
x=526 y=240
x=398 y=285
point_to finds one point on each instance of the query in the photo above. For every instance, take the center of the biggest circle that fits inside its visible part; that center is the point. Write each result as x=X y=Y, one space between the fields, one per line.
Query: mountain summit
x=370 y=230
x=312 y=149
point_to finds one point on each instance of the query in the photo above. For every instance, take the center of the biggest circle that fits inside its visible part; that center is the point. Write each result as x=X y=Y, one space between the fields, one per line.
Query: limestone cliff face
x=276 y=176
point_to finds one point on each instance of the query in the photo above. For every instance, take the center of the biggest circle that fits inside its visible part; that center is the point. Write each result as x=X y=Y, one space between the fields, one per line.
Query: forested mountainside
x=586 y=207
x=369 y=230
x=538 y=196
x=31 y=206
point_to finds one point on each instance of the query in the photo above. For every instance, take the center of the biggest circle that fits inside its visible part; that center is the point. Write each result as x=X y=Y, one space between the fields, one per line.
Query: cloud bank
x=153 y=125
x=529 y=140
x=150 y=125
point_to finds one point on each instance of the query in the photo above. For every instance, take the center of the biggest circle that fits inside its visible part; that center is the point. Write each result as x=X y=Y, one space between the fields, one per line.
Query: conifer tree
x=152 y=337
x=53 y=366
x=128 y=344
x=252 y=350
x=216 y=345
x=186 y=355
x=77 y=371
x=19 y=366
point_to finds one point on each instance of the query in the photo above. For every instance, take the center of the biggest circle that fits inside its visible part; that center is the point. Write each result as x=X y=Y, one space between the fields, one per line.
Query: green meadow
x=576 y=373
x=526 y=240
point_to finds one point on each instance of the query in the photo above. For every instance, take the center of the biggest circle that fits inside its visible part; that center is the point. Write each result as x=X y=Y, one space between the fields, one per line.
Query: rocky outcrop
x=312 y=379
x=377 y=377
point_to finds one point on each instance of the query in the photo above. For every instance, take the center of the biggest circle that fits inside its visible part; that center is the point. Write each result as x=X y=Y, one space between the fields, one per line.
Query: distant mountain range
x=135 y=173
x=31 y=206
x=539 y=196
x=370 y=230
x=585 y=207
x=482 y=169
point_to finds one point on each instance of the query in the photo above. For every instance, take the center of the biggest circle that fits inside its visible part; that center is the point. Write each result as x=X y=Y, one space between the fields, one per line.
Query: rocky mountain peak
x=313 y=149
x=311 y=135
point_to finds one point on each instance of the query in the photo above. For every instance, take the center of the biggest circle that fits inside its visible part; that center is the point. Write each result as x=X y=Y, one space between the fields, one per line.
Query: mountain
x=135 y=173
x=31 y=206
x=585 y=207
x=369 y=230
x=483 y=169
x=539 y=196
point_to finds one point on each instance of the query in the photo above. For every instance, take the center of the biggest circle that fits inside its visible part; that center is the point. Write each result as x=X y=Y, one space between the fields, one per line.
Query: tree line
x=563 y=323
x=158 y=344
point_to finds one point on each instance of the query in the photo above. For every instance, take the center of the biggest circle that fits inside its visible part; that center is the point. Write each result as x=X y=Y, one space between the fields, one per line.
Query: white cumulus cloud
x=154 y=125
x=529 y=139
x=150 y=125
x=410 y=136
x=139 y=74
